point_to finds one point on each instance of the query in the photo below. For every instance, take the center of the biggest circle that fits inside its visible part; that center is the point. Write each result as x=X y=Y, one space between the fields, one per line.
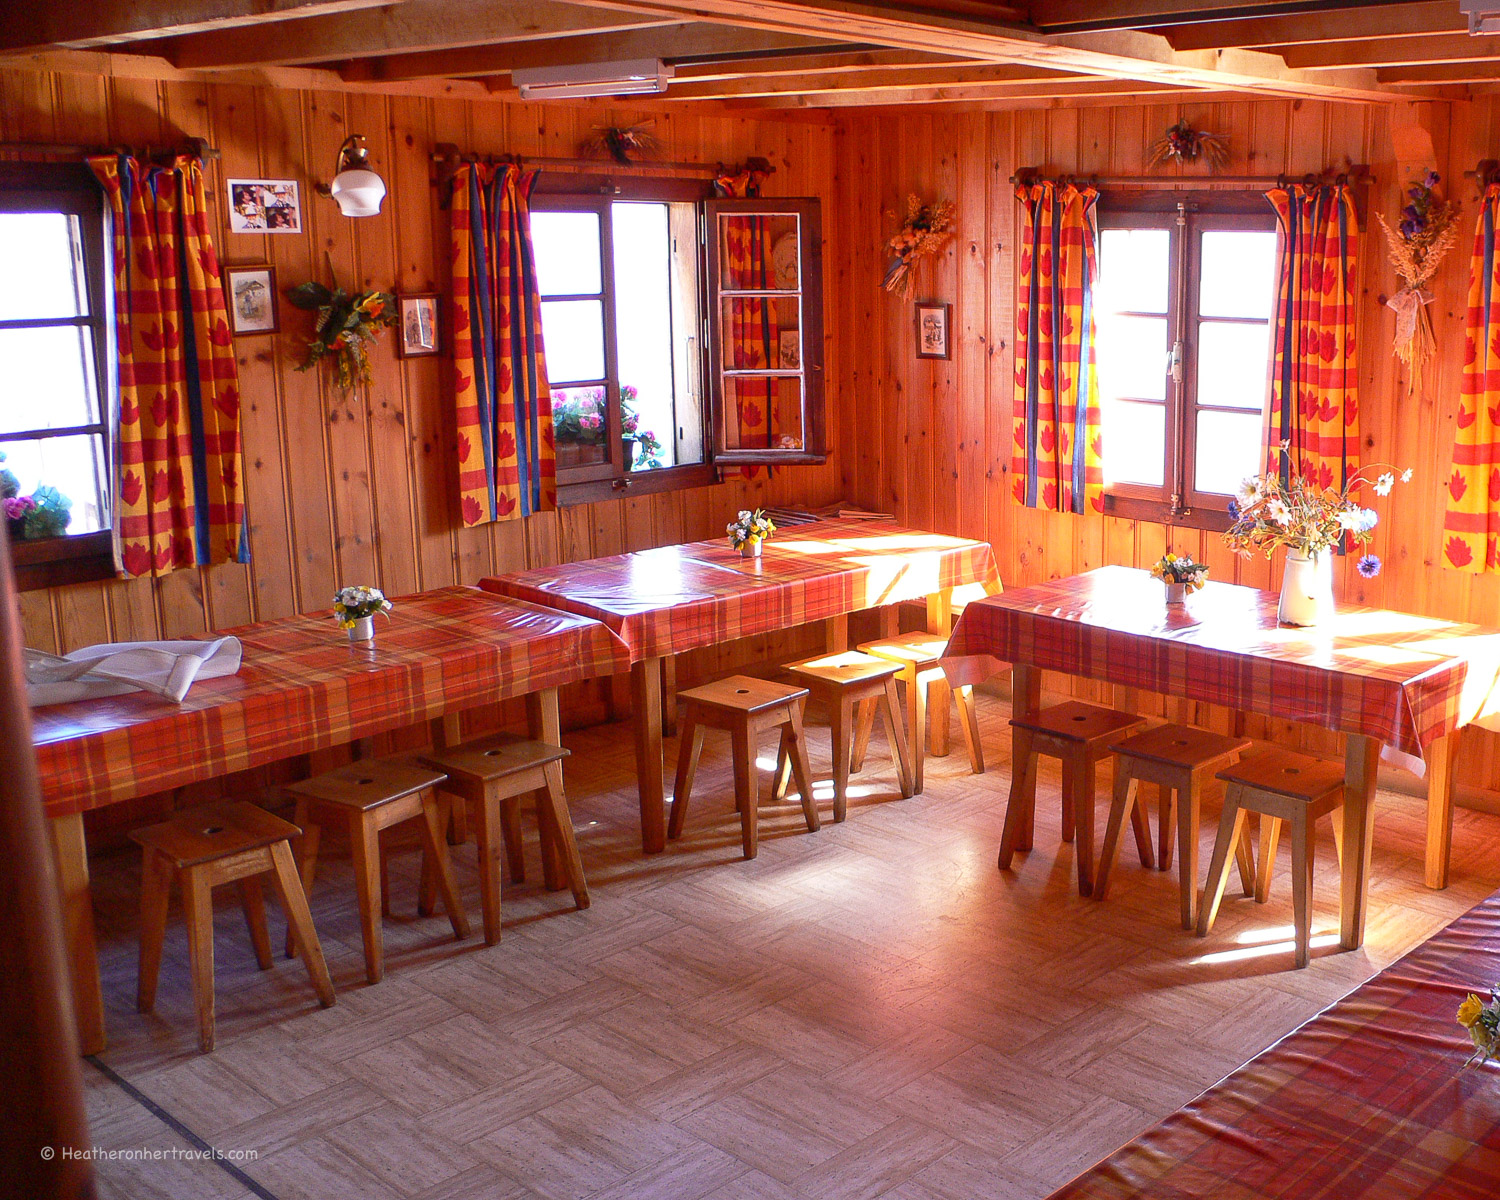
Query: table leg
x=71 y=854
x=1020 y=809
x=939 y=620
x=543 y=724
x=1441 y=756
x=1361 y=756
x=836 y=634
x=645 y=685
x=669 y=695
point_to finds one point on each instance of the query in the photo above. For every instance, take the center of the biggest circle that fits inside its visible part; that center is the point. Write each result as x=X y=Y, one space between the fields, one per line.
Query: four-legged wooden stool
x=228 y=842
x=746 y=707
x=492 y=776
x=1179 y=760
x=1079 y=735
x=918 y=655
x=842 y=682
x=370 y=795
x=1288 y=787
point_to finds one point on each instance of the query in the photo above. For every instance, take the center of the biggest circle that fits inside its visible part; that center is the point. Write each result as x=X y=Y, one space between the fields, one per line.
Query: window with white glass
x=1185 y=303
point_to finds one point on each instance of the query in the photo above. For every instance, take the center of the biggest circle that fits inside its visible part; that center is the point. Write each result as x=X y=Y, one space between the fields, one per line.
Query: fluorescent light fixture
x=636 y=77
x=1484 y=15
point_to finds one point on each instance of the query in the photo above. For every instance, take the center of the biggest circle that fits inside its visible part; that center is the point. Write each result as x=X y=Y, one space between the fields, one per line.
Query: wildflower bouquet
x=926 y=229
x=353 y=604
x=1181 y=569
x=1482 y=1019
x=345 y=328
x=1426 y=232
x=750 y=528
x=1306 y=518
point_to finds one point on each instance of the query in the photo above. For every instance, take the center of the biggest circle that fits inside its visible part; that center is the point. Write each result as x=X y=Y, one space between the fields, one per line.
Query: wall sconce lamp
x=356 y=189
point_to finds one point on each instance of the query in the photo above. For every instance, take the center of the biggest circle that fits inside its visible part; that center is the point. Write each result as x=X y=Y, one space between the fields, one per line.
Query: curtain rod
x=196 y=147
x=450 y=156
x=1359 y=174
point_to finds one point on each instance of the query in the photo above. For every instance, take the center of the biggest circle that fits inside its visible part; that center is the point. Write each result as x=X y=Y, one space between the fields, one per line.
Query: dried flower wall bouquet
x=345 y=326
x=926 y=229
x=1184 y=144
x=1428 y=229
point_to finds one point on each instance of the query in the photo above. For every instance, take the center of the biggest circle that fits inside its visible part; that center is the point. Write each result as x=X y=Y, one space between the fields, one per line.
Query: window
x=55 y=365
x=625 y=305
x=1186 y=298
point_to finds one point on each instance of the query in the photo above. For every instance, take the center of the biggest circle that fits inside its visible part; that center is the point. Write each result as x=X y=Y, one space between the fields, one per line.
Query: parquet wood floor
x=870 y=1010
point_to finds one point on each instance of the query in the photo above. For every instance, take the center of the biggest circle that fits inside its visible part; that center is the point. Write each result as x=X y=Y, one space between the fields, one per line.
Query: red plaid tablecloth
x=304 y=686
x=1367 y=1101
x=1402 y=679
x=676 y=598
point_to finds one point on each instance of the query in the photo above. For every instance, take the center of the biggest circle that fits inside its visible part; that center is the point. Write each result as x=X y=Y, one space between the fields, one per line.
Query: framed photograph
x=932 y=330
x=790 y=346
x=264 y=206
x=250 y=293
x=419 y=324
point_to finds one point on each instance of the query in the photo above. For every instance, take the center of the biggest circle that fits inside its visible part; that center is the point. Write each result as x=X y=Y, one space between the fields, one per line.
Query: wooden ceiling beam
x=1441 y=73
x=1440 y=16
x=1395 y=52
x=1058 y=15
x=818 y=86
x=1105 y=91
x=426 y=25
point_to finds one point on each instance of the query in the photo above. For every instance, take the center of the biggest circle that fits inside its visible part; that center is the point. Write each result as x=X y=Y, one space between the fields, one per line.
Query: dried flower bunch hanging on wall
x=926 y=229
x=1428 y=229
x=623 y=143
x=1184 y=144
x=345 y=326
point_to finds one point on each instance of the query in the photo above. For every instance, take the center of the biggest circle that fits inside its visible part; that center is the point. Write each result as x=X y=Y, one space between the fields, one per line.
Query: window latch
x=1174 y=362
x=621 y=483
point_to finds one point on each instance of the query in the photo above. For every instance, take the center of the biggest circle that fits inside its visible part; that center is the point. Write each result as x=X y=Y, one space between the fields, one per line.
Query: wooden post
x=42 y=1111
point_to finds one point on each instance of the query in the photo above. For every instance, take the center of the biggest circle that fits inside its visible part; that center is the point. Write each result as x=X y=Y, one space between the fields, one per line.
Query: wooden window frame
x=1185 y=216
x=71 y=188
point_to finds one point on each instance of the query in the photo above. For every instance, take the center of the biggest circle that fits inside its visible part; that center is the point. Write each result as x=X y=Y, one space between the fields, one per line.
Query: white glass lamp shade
x=358 y=192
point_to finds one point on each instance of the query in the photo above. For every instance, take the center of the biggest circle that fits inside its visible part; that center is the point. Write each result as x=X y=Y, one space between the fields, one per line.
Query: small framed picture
x=250 y=293
x=419 y=324
x=932 y=330
x=790 y=347
x=264 y=206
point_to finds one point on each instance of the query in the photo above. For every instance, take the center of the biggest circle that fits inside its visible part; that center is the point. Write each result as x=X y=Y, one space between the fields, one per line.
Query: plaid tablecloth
x=304 y=686
x=677 y=598
x=1367 y=1101
x=1402 y=679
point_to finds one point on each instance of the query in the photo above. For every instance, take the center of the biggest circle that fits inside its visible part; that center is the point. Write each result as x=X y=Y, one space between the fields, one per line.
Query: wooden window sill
x=59 y=561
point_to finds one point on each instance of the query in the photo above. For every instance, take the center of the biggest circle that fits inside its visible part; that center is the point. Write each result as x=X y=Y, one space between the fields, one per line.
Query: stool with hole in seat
x=1285 y=786
x=370 y=795
x=492 y=776
x=746 y=708
x=227 y=842
x=1078 y=735
x=1179 y=760
x=842 y=682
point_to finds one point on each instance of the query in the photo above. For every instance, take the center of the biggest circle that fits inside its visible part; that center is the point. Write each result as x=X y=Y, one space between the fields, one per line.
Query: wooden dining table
x=302 y=686
x=672 y=599
x=1396 y=680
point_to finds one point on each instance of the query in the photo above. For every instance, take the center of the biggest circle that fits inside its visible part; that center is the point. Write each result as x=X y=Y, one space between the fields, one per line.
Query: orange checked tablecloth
x=304 y=686
x=1367 y=1101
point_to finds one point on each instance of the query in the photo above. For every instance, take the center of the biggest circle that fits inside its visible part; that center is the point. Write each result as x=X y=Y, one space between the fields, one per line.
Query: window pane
x=1238 y=274
x=41 y=267
x=1232 y=364
x=1133 y=266
x=73 y=465
x=761 y=335
x=758 y=251
x=763 y=412
x=49 y=380
x=1135 y=442
x=568 y=258
x=1132 y=358
x=573 y=336
x=579 y=426
x=1228 y=450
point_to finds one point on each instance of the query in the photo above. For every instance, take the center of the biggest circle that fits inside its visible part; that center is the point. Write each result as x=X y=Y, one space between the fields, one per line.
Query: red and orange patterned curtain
x=507 y=465
x=179 y=500
x=1314 y=403
x=1471 y=525
x=1057 y=462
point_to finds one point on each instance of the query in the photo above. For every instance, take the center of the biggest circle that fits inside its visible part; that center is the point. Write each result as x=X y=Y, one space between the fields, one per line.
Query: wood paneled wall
x=937 y=435
x=362 y=489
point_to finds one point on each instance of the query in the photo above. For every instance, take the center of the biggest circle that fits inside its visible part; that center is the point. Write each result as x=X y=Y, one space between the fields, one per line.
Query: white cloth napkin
x=165 y=668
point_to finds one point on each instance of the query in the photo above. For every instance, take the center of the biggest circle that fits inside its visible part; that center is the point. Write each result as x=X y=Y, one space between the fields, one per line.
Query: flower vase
x=750 y=550
x=363 y=630
x=1306 y=589
x=1176 y=593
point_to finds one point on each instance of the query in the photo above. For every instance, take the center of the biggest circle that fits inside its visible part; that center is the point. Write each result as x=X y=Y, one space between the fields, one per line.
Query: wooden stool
x=1179 y=760
x=1285 y=786
x=492 y=776
x=371 y=795
x=227 y=842
x=1078 y=734
x=746 y=708
x=918 y=655
x=842 y=681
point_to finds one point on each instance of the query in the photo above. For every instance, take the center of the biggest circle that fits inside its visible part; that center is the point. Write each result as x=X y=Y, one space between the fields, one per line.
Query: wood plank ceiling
x=785 y=53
